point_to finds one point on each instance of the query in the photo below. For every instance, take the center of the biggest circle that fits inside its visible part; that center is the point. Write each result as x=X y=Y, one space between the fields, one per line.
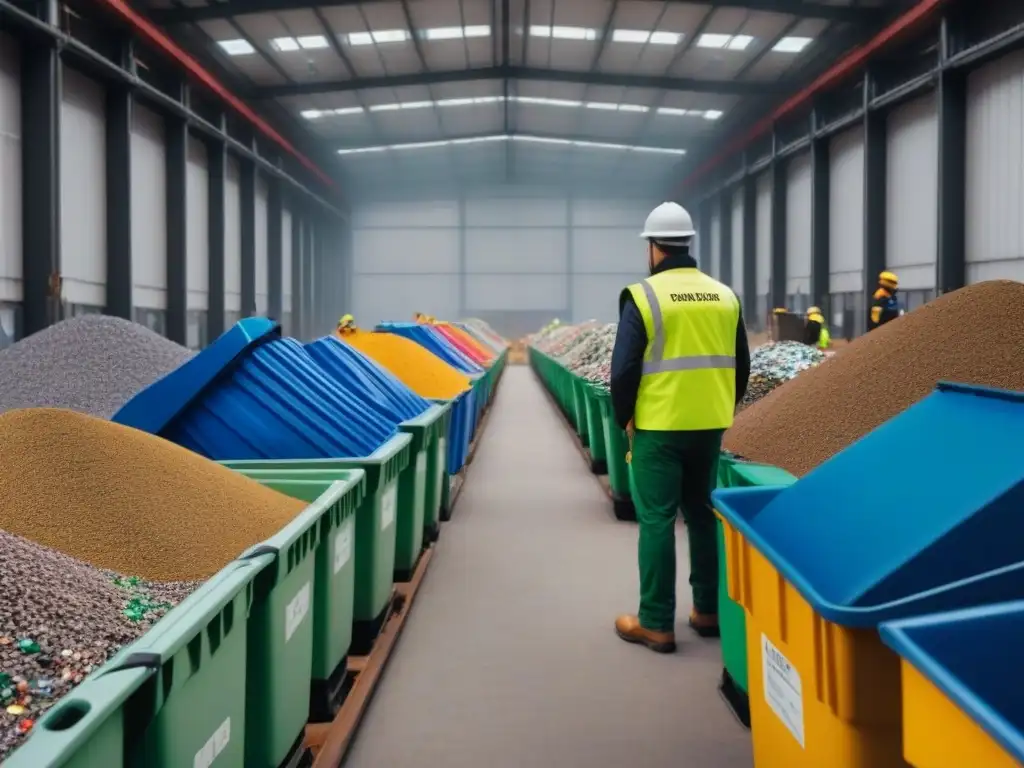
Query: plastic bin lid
x=253 y=395
x=911 y=516
x=967 y=654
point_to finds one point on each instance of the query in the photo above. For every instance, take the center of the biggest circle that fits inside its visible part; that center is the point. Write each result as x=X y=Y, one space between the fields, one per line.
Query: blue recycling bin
x=962 y=699
x=922 y=515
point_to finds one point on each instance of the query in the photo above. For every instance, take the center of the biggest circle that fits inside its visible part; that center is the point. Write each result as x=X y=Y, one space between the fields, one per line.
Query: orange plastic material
x=472 y=341
x=464 y=346
x=833 y=693
x=937 y=734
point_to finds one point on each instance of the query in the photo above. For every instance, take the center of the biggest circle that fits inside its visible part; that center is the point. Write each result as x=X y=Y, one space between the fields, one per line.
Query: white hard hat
x=669 y=221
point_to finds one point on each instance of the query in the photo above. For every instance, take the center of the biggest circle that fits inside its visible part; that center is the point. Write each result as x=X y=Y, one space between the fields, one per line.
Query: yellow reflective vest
x=689 y=370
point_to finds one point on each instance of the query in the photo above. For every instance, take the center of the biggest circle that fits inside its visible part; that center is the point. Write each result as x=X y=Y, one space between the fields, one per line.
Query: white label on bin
x=782 y=689
x=214 y=746
x=296 y=611
x=421 y=462
x=343 y=545
x=442 y=466
x=387 y=507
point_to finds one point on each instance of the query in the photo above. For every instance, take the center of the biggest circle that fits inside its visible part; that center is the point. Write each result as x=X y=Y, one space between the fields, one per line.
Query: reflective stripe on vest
x=657 y=362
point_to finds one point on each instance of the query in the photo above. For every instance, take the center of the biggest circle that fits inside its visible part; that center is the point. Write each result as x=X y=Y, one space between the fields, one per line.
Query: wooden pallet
x=329 y=742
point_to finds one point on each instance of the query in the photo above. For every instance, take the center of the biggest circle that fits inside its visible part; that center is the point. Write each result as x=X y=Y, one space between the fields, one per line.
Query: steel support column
x=750 y=251
x=119 y=201
x=275 y=257
x=298 y=328
x=875 y=140
x=176 y=163
x=40 y=183
x=777 y=281
x=216 y=160
x=820 y=221
x=247 y=190
x=951 y=264
x=725 y=236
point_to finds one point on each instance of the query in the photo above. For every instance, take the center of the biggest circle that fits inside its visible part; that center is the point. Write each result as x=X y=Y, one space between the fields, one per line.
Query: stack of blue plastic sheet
x=254 y=395
x=356 y=371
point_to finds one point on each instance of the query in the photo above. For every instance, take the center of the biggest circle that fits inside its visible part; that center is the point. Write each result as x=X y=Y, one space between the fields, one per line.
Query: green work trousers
x=673 y=471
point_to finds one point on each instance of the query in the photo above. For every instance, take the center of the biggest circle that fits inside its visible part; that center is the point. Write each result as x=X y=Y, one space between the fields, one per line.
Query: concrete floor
x=509 y=658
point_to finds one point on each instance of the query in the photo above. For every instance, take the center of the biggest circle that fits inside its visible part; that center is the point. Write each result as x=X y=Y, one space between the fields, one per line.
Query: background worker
x=679 y=367
x=815 y=331
x=884 y=304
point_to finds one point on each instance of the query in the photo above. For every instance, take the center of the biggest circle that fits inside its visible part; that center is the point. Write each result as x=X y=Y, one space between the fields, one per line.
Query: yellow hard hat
x=346 y=322
x=888 y=279
x=780 y=311
x=814 y=311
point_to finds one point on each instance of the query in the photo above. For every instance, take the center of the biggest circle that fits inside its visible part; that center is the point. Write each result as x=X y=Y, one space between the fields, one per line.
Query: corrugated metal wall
x=714 y=268
x=83 y=199
x=846 y=212
x=406 y=259
x=10 y=187
x=232 y=241
x=512 y=260
x=262 y=265
x=607 y=254
x=912 y=188
x=798 y=233
x=995 y=171
x=763 y=257
x=737 y=242
x=149 y=217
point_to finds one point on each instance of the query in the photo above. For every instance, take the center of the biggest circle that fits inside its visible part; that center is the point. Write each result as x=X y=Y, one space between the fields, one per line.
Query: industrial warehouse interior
x=577 y=383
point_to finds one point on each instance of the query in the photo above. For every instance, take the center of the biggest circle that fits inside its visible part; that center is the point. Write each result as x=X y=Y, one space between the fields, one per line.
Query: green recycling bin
x=375 y=527
x=616 y=448
x=595 y=429
x=734 y=472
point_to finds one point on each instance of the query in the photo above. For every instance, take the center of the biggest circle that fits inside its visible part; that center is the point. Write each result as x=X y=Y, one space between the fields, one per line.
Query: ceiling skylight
x=707 y=114
x=724 y=42
x=236 y=47
x=642 y=36
x=606 y=106
x=378 y=36
x=456 y=33
x=518 y=137
x=792 y=44
x=316 y=114
x=305 y=43
x=564 y=33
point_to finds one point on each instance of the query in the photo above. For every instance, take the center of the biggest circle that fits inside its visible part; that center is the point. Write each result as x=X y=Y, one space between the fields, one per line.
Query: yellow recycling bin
x=820 y=564
x=962 y=703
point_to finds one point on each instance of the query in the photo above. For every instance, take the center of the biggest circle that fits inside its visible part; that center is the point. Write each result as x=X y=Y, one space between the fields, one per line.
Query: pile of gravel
x=59 y=620
x=93 y=364
x=877 y=376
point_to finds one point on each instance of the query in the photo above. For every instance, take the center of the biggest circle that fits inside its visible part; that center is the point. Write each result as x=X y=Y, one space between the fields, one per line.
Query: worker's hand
x=630 y=429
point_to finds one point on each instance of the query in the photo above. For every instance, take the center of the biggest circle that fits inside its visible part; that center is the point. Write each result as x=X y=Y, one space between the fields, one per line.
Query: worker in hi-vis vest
x=679 y=367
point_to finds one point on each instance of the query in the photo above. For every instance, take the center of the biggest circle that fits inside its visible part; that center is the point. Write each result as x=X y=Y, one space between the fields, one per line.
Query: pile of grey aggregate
x=59 y=620
x=93 y=364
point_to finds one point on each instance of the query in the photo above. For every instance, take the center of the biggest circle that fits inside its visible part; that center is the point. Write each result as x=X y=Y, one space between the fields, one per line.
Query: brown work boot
x=629 y=629
x=704 y=624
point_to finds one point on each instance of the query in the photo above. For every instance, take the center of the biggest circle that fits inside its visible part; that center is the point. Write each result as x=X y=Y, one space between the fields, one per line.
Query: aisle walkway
x=509 y=658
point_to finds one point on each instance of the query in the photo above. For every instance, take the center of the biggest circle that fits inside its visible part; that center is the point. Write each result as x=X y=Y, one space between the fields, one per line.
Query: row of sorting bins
x=228 y=675
x=234 y=673
x=588 y=409
x=881 y=593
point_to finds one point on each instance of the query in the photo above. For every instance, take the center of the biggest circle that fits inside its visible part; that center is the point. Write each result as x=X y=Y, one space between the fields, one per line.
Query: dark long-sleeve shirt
x=631 y=345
